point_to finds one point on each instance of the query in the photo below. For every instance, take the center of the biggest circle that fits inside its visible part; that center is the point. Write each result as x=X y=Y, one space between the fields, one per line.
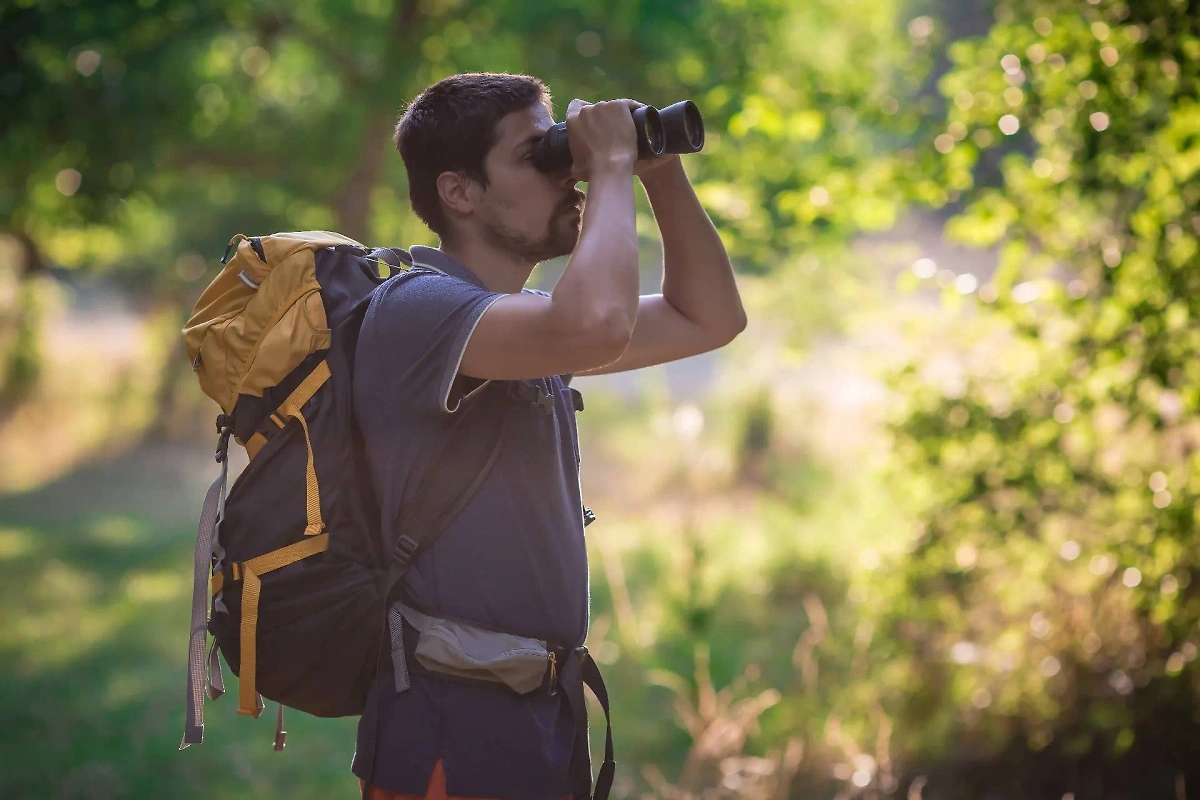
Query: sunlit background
x=925 y=530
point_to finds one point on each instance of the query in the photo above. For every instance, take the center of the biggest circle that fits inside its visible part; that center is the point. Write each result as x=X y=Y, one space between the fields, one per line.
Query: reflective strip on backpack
x=210 y=514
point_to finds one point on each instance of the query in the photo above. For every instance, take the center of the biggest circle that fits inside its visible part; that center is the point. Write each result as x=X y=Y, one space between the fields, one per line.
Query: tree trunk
x=354 y=200
x=24 y=362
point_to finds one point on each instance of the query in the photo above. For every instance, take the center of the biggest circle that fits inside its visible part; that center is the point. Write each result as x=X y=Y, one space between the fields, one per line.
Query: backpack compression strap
x=316 y=541
x=291 y=408
x=213 y=509
x=248 y=573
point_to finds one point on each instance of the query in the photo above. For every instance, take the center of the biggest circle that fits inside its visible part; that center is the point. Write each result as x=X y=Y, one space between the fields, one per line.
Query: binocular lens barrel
x=684 y=127
x=649 y=126
x=678 y=128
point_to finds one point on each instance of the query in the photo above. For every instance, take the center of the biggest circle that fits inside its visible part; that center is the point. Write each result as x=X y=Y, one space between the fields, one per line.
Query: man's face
x=532 y=214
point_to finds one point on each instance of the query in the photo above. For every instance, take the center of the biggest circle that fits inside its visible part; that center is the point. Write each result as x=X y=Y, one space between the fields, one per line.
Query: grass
x=690 y=569
x=95 y=584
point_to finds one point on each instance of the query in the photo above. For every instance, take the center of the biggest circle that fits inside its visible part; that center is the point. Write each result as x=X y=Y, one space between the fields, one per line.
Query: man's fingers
x=575 y=105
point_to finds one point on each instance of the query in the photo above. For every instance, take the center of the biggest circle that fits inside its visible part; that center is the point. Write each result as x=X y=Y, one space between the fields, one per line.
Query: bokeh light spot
x=589 y=44
x=255 y=61
x=924 y=268
x=87 y=62
x=67 y=181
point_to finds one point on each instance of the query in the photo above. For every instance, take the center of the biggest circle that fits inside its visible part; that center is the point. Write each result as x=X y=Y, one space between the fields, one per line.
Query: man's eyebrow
x=531 y=139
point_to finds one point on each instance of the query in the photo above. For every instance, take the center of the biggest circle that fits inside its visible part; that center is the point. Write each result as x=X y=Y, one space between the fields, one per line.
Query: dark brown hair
x=451 y=126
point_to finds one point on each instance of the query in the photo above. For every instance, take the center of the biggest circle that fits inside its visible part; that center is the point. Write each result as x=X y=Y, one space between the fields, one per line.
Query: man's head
x=466 y=144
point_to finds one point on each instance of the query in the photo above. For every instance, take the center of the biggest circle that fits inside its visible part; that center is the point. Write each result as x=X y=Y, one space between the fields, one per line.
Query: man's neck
x=500 y=271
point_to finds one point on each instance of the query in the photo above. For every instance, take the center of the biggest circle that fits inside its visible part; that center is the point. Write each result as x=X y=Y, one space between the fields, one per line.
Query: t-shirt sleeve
x=417 y=332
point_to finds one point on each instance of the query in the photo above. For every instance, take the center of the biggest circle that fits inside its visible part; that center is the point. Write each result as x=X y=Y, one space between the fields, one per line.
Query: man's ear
x=458 y=192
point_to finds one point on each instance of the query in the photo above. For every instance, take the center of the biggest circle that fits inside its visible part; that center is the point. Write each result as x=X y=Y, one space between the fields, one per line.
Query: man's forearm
x=600 y=281
x=697 y=276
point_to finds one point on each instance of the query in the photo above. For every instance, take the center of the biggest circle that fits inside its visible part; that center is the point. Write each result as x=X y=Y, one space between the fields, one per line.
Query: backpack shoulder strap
x=457 y=473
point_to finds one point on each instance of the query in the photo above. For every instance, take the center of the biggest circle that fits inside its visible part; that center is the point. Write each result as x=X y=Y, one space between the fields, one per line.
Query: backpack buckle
x=552 y=684
x=224 y=430
x=531 y=393
x=231 y=573
x=403 y=552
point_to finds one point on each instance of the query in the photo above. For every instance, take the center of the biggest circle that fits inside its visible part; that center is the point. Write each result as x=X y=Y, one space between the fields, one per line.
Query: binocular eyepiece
x=678 y=128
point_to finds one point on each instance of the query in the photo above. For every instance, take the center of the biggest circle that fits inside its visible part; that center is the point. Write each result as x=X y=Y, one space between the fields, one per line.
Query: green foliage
x=1053 y=584
x=144 y=134
x=1044 y=440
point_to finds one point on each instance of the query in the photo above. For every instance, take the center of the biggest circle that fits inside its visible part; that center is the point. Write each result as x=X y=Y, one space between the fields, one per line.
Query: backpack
x=290 y=574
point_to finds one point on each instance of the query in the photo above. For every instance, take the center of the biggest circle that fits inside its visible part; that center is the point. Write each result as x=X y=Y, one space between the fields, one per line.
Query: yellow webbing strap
x=315 y=523
x=291 y=408
x=247 y=695
x=255 y=444
x=275 y=559
x=307 y=388
x=251 y=588
x=295 y=401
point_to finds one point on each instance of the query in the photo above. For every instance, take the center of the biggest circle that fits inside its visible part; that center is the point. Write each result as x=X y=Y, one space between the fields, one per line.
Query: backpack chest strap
x=533 y=393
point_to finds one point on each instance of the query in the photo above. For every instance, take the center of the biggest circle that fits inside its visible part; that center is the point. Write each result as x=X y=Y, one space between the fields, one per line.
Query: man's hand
x=602 y=137
x=583 y=150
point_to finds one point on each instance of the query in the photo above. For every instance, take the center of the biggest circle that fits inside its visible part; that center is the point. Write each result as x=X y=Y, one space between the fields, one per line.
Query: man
x=514 y=558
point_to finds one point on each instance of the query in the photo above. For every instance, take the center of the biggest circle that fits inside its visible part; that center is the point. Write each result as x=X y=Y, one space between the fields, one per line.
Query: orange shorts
x=435 y=791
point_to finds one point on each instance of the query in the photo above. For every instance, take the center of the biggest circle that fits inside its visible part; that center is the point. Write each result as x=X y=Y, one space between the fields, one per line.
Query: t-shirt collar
x=432 y=258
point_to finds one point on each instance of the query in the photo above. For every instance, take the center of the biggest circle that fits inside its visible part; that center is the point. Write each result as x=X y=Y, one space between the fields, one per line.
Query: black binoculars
x=678 y=128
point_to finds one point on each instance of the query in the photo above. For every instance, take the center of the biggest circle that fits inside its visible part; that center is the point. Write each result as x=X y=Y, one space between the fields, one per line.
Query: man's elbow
x=734 y=328
x=608 y=336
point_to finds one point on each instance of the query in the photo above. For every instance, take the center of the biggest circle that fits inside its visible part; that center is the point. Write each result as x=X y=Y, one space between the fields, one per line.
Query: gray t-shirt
x=514 y=558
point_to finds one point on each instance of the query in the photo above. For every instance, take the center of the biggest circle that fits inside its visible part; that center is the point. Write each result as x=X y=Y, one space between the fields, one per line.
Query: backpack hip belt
x=448 y=648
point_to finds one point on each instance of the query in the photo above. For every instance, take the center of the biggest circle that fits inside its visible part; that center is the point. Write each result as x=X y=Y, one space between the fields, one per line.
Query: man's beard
x=559 y=239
